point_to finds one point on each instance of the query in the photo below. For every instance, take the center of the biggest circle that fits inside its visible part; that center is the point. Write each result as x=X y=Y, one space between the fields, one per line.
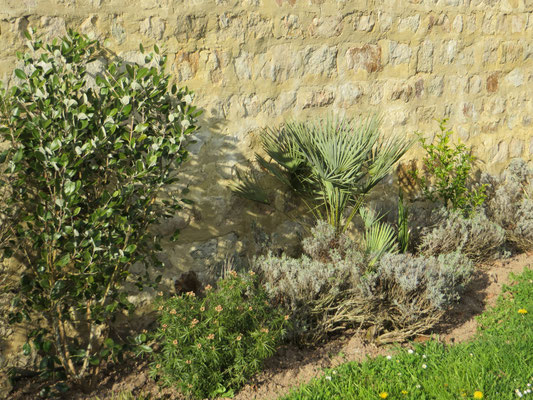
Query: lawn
x=497 y=364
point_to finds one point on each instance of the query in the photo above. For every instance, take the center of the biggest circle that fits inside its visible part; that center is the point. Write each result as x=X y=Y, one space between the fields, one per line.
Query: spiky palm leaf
x=379 y=238
x=332 y=163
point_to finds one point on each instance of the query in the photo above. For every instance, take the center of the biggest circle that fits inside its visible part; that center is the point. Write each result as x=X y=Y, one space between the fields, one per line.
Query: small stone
x=315 y=99
x=474 y=84
x=153 y=27
x=450 y=51
x=367 y=57
x=348 y=94
x=515 y=77
x=425 y=57
x=285 y=101
x=517 y=23
x=118 y=31
x=492 y=82
x=436 y=86
x=516 y=148
x=326 y=26
x=366 y=23
x=242 y=66
x=399 y=53
x=500 y=152
x=385 y=21
x=457 y=24
x=409 y=24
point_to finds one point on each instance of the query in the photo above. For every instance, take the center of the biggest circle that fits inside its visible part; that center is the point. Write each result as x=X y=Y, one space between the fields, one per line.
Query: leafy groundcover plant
x=210 y=345
x=86 y=165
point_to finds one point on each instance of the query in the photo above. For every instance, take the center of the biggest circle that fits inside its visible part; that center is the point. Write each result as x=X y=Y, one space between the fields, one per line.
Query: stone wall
x=254 y=63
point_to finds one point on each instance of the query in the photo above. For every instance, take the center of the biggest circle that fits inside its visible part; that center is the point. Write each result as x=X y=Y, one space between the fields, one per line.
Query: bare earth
x=292 y=366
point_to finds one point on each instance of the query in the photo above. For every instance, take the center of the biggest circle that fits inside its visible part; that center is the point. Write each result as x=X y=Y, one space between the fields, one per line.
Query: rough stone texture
x=255 y=63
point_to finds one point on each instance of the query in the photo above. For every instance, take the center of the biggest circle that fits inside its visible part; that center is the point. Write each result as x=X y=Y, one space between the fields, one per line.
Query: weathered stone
x=492 y=82
x=320 y=60
x=436 y=86
x=384 y=21
x=365 y=23
x=190 y=27
x=450 y=51
x=52 y=27
x=474 y=84
x=518 y=23
x=515 y=77
x=367 y=57
x=348 y=94
x=243 y=66
x=153 y=27
x=252 y=105
x=500 y=152
x=511 y=52
x=326 y=26
x=457 y=24
x=285 y=101
x=290 y=26
x=410 y=23
x=496 y=105
x=186 y=65
x=118 y=31
x=402 y=91
x=516 y=148
x=425 y=57
x=399 y=53
x=490 y=51
x=315 y=98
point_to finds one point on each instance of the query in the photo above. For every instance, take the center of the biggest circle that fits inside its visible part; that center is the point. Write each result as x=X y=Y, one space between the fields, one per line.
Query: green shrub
x=211 y=345
x=86 y=165
x=331 y=164
x=334 y=286
x=447 y=173
x=476 y=237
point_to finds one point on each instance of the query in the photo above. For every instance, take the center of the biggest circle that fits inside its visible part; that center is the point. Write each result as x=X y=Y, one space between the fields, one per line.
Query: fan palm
x=331 y=163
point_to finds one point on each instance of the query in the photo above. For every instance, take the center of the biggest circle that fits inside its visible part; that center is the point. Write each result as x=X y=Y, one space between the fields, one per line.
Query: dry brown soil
x=292 y=366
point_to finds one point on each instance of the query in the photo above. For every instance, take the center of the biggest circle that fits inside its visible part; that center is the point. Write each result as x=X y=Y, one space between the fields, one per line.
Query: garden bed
x=292 y=366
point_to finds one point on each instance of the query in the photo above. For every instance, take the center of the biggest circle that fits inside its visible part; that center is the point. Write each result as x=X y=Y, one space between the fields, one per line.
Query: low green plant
x=87 y=161
x=210 y=346
x=330 y=163
x=447 y=172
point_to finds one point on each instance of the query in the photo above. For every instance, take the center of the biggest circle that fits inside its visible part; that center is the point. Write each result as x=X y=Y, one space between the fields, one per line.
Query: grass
x=497 y=364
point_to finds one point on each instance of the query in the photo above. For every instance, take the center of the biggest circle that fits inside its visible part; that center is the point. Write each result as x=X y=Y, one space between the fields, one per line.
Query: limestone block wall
x=255 y=63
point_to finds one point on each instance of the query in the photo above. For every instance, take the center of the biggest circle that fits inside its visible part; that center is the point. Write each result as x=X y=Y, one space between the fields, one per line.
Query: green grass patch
x=497 y=364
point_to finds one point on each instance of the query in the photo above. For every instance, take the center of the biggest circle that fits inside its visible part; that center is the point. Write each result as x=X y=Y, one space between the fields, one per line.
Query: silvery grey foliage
x=475 y=236
x=429 y=282
x=332 y=287
x=510 y=202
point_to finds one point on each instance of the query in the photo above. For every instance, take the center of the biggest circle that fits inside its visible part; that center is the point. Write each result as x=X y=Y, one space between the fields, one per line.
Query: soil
x=292 y=366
